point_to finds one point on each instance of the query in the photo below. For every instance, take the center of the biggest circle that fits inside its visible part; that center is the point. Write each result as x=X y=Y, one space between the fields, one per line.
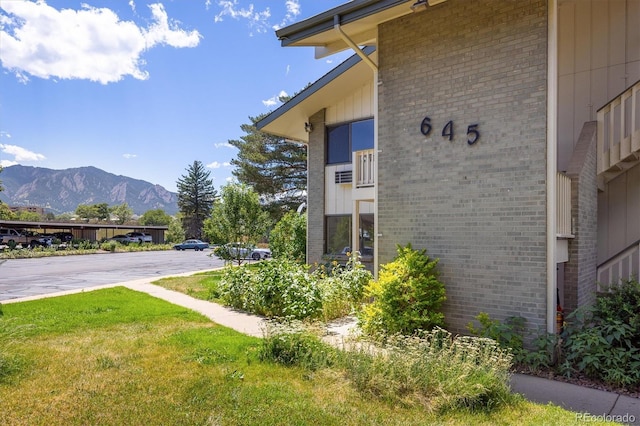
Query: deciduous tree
x=237 y=217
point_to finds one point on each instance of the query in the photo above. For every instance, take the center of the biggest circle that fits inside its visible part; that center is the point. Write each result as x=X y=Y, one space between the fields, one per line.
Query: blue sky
x=142 y=89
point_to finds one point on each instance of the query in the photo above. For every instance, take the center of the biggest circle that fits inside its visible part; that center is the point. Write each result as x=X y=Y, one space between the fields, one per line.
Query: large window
x=338 y=236
x=342 y=140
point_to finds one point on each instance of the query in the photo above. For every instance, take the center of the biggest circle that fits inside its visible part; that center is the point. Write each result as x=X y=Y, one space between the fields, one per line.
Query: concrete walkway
x=589 y=404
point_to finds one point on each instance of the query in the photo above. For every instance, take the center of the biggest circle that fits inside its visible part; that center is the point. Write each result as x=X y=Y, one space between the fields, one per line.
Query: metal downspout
x=552 y=131
x=352 y=45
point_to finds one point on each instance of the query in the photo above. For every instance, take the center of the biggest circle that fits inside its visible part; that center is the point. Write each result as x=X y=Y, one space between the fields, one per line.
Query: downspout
x=352 y=45
x=552 y=131
x=366 y=59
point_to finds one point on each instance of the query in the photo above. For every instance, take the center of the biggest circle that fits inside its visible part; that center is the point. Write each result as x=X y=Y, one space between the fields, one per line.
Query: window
x=342 y=140
x=338 y=234
x=338 y=238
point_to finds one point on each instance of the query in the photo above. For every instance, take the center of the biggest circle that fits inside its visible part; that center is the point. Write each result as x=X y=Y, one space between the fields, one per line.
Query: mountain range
x=61 y=191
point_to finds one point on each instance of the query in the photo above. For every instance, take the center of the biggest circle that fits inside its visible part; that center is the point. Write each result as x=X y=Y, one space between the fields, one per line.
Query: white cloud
x=214 y=165
x=91 y=43
x=128 y=156
x=275 y=99
x=19 y=154
x=223 y=145
x=258 y=21
x=293 y=10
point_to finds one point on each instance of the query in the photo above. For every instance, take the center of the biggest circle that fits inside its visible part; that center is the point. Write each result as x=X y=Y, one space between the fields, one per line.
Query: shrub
x=407 y=296
x=602 y=341
x=342 y=287
x=288 y=239
x=273 y=289
x=509 y=333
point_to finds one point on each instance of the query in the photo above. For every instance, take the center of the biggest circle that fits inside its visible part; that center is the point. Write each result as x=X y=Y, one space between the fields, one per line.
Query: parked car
x=123 y=239
x=64 y=237
x=196 y=245
x=140 y=237
x=260 y=254
x=244 y=251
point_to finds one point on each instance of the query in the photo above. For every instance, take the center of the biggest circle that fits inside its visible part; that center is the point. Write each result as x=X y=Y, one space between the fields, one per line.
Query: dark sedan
x=191 y=244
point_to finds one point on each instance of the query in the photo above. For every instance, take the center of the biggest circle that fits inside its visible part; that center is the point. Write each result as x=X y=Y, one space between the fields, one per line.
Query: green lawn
x=119 y=357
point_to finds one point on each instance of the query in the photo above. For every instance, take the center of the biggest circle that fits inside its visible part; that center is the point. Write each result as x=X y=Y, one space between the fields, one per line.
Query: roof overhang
x=288 y=120
x=358 y=18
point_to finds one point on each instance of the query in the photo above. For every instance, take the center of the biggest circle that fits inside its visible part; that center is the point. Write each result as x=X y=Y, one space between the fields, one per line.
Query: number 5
x=473 y=134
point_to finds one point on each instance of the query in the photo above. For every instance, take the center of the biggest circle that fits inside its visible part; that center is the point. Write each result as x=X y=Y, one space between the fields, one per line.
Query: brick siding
x=480 y=208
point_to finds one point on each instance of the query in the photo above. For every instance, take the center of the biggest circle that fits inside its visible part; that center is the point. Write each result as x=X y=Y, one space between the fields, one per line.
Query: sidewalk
x=590 y=404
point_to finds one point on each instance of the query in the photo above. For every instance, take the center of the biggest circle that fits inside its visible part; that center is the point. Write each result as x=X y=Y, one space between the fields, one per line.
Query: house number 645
x=473 y=134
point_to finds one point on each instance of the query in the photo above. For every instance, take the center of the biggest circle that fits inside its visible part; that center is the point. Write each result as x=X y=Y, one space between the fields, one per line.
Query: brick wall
x=480 y=208
x=580 y=271
x=315 y=189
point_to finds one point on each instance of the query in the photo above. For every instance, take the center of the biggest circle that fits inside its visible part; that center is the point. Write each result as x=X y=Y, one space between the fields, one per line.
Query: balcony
x=563 y=206
x=365 y=168
x=619 y=134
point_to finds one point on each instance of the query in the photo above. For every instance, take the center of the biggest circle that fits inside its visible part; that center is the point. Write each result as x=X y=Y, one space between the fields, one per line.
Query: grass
x=115 y=357
x=203 y=286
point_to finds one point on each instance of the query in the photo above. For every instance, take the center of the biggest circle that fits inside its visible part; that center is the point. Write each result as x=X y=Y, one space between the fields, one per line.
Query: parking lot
x=30 y=277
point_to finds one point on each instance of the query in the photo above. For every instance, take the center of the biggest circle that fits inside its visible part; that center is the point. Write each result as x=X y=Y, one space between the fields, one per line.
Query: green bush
x=280 y=288
x=407 y=296
x=288 y=239
x=602 y=341
x=342 y=287
x=508 y=333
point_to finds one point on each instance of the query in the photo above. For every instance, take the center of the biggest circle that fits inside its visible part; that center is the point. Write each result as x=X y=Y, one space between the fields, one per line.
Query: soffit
x=288 y=120
x=358 y=19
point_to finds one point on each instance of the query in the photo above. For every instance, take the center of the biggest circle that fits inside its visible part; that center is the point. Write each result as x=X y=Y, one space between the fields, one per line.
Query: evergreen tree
x=196 y=195
x=274 y=168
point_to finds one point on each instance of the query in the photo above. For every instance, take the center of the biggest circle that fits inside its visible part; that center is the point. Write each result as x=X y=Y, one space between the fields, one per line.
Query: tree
x=156 y=217
x=275 y=168
x=123 y=213
x=288 y=239
x=6 y=213
x=237 y=217
x=87 y=212
x=102 y=211
x=175 y=232
x=196 y=195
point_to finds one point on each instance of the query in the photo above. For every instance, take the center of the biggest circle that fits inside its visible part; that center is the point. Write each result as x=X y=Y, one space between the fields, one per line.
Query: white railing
x=619 y=132
x=365 y=168
x=563 y=206
x=624 y=266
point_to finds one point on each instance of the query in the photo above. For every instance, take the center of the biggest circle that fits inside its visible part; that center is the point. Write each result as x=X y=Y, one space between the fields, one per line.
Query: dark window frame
x=337 y=151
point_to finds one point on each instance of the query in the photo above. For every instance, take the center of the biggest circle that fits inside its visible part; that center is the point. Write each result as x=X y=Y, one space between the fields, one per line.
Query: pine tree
x=196 y=195
x=274 y=168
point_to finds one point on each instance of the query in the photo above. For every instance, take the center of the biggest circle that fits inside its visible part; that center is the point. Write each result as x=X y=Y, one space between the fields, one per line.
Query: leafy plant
x=273 y=289
x=293 y=344
x=342 y=287
x=407 y=296
x=508 y=333
x=289 y=237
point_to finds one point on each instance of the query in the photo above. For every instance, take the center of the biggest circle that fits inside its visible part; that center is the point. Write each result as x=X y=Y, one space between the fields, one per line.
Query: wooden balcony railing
x=563 y=206
x=619 y=133
x=365 y=168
